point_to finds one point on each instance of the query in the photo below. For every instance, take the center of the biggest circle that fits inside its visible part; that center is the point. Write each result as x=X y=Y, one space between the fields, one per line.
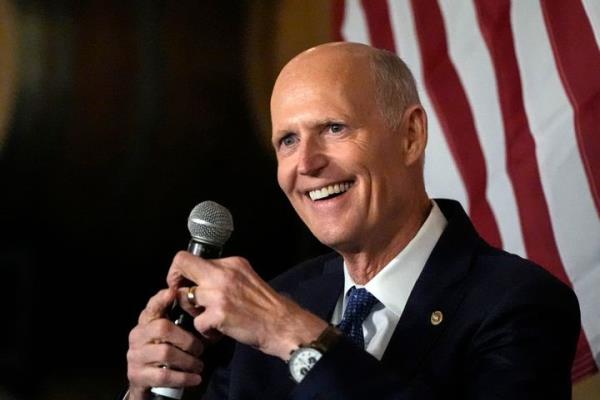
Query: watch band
x=328 y=338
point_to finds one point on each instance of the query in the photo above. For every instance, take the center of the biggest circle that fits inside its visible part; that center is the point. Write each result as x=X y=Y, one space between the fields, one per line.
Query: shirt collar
x=393 y=284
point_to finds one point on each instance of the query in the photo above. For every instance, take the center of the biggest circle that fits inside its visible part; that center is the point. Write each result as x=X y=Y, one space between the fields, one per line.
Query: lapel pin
x=436 y=317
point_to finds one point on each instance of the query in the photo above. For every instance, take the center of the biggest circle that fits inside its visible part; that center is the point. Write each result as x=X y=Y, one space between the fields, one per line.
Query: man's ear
x=415 y=134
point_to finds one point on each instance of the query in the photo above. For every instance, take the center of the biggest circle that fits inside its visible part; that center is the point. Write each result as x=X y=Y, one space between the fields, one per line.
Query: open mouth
x=330 y=191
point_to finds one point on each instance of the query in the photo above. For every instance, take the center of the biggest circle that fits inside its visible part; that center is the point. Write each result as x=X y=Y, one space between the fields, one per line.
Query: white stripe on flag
x=441 y=173
x=592 y=9
x=573 y=215
x=355 y=27
x=473 y=63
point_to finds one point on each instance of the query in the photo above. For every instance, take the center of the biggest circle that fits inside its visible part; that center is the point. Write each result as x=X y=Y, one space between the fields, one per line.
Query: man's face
x=340 y=165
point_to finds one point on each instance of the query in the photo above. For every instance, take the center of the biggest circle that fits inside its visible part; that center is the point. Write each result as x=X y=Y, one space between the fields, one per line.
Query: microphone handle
x=183 y=319
x=204 y=250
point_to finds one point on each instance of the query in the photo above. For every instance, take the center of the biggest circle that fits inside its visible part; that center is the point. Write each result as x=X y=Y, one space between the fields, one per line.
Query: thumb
x=157 y=305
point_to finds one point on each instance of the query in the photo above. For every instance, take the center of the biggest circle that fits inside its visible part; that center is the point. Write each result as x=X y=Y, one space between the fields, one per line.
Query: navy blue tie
x=360 y=303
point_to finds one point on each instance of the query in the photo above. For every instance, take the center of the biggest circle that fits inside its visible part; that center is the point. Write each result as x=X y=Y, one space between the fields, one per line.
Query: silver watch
x=304 y=358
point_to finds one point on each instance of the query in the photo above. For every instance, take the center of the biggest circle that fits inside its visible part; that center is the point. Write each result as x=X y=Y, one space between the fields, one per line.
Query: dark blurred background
x=116 y=118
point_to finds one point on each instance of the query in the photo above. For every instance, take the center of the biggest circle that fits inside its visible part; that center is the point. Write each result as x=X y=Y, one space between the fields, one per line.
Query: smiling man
x=412 y=303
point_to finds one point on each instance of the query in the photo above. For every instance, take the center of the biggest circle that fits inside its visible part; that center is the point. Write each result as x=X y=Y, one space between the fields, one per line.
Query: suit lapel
x=320 y=294
x=438 y=289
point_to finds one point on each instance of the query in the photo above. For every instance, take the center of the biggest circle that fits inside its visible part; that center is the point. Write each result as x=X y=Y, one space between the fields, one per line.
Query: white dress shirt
x=393 y=284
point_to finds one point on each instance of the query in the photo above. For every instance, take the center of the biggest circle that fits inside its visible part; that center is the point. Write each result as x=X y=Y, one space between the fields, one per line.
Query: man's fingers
x=209 y=335
x=185 y=266
x=165 y=331
x=163 y=354
x=157 y=306
x=183 y=299
x=209 y=322
x=163 y=377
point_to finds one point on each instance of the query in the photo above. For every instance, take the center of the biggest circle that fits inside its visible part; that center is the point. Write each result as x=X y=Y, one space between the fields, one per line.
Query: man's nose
x=311 y=157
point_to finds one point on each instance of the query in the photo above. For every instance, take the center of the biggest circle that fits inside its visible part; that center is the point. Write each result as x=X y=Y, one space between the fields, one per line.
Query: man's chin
x=338 y=241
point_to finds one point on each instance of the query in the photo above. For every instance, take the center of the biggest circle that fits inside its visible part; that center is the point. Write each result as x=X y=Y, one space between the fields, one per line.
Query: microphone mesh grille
x=210 y=222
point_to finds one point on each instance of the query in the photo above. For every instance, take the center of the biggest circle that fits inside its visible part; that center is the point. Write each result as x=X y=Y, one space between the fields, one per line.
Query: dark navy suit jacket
x=509 y=331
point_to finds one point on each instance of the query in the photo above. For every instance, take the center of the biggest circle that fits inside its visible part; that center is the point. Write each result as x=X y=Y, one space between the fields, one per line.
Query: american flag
x=512 y=91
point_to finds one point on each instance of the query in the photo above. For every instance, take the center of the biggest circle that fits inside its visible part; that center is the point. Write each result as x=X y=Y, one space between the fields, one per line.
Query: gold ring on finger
x=191 y=296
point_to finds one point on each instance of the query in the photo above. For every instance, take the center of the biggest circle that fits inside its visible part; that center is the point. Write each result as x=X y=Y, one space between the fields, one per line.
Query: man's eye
x=288 y=140
x=336 y=128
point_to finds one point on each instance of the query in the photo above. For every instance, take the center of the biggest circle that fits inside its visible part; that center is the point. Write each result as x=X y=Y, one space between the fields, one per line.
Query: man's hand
x=156 y=343
x=239 y=304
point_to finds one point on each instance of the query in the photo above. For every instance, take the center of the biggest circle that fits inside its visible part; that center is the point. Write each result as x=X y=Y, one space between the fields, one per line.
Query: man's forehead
x=327 y=67
x=329 y=58
x=319 y=93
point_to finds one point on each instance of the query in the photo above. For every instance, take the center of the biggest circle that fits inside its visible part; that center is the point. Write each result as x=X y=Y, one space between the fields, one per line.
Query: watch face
x=302 y=361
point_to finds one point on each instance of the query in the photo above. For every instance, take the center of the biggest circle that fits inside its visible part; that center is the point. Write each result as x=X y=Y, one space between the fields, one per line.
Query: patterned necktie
x=360 y=303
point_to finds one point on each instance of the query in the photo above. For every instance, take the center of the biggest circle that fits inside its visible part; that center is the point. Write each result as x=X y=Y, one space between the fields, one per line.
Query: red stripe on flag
x=522 y=165
x=380 y=26
x=450 y=102
x=540 y=244
x=338 y=13
x=578 y=61
x=584 y=363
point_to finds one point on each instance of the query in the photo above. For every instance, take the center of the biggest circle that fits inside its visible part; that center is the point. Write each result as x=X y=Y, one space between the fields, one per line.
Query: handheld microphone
x=210 y=225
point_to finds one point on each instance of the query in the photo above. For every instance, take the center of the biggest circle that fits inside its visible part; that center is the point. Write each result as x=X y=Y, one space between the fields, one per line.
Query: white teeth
x=327 y=191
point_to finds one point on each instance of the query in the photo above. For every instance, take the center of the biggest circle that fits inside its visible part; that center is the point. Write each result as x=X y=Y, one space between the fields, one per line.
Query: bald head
x=377 y=72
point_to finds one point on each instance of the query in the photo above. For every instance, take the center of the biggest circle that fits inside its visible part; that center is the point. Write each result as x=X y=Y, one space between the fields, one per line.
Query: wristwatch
x=306 y=356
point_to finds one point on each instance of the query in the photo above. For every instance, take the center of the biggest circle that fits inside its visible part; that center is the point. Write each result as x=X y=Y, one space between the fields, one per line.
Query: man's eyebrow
x=331 y=120
x=312 y=125
x=325 y=122
x=281 y=133
x=322 y=122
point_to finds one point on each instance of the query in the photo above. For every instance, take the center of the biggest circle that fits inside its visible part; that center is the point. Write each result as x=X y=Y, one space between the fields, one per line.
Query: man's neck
x=364 y=264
